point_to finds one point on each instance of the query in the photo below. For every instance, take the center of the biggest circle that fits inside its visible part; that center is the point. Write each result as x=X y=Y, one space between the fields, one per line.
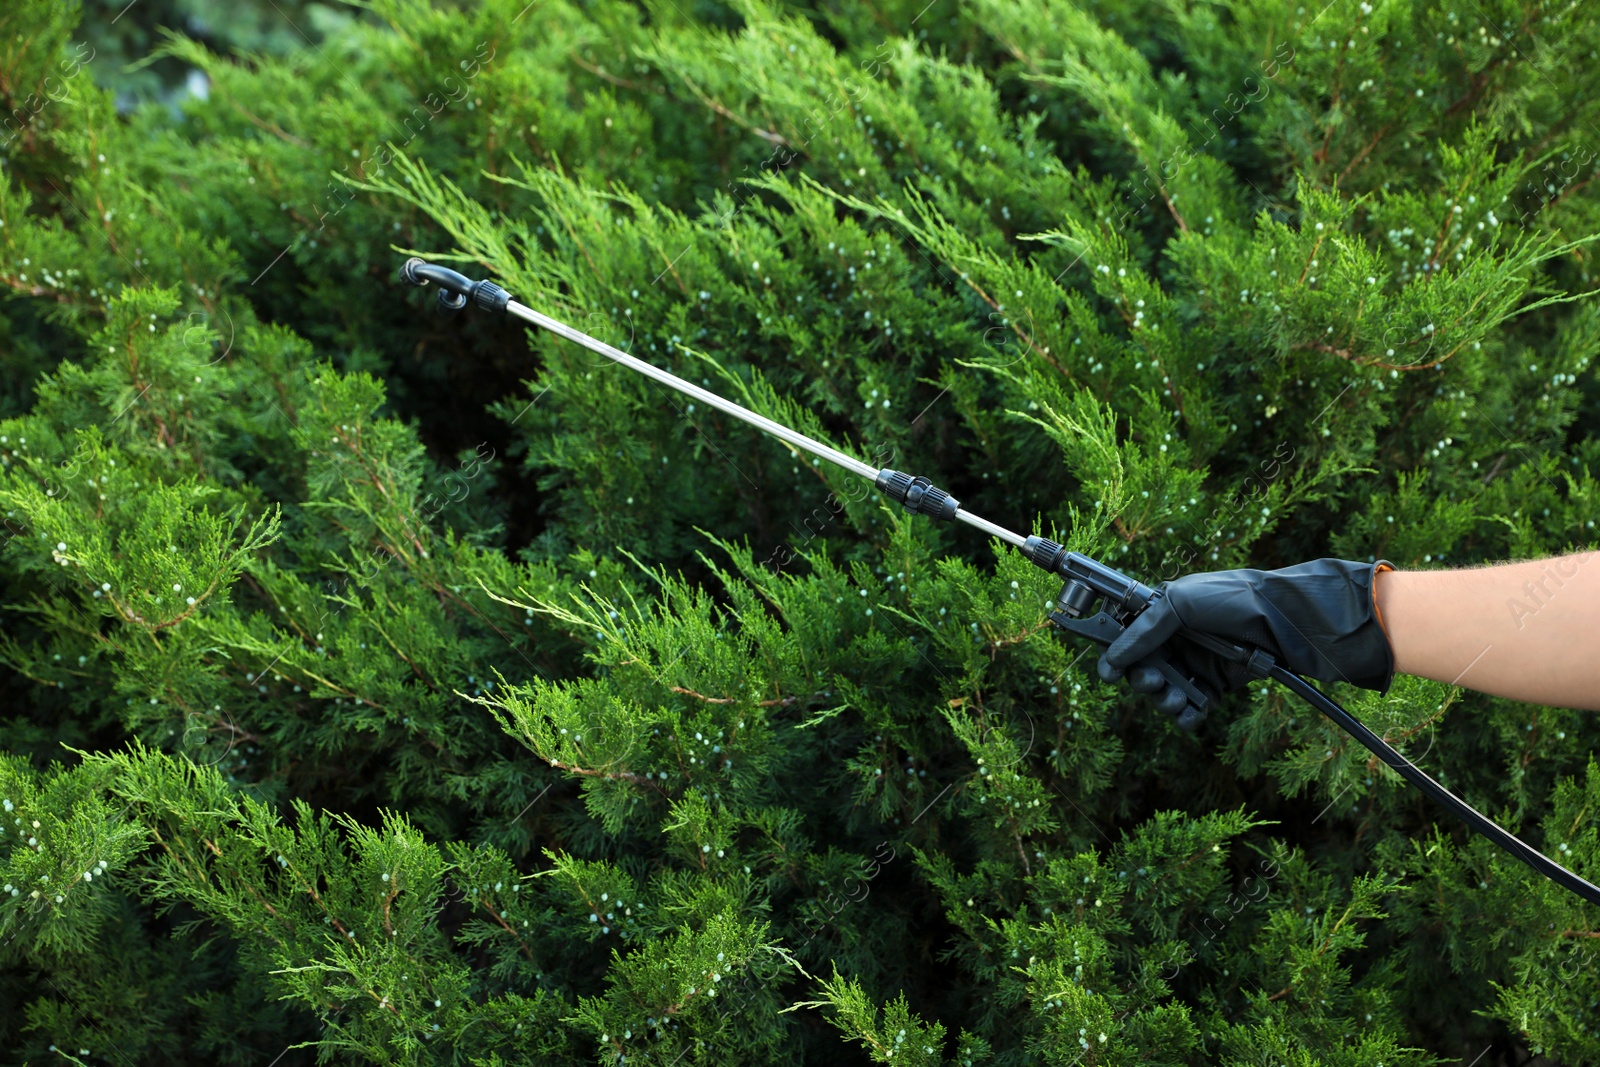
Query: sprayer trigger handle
x=1102 y=629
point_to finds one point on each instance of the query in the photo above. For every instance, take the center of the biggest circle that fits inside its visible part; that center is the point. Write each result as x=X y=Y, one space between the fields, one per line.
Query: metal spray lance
x=1096 y=601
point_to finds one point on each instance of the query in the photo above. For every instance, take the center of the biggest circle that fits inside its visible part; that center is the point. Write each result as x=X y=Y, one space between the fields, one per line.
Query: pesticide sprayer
x=1096 y=601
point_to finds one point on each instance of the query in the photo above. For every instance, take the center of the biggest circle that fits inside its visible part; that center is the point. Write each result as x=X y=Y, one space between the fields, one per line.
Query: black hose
x=1419 y=778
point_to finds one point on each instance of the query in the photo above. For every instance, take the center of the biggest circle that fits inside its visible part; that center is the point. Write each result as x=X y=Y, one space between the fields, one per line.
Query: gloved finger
x=1152 y=629
x=1190 y=718
x=1146 y=680
x=1173 y=700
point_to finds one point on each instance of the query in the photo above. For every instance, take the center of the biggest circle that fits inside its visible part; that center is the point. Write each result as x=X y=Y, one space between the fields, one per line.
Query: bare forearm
x=1528 y=631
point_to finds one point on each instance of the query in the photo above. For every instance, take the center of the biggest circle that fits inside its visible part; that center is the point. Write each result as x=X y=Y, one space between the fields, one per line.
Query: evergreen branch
x=601 y=72
x=782 y=702
x=994 y=646
x=276 y=131
x=415 y=669
x=586 y=772
x=60 y=296
x=934 y=233
x=526 y=950
x=1365 y=151
x=738 y=120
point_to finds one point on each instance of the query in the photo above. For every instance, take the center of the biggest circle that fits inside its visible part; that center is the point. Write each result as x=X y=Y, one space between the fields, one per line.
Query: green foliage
x=387 y=689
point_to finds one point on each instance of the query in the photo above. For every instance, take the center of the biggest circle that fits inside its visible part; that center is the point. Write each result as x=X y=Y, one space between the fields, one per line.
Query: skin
x=1526 y=631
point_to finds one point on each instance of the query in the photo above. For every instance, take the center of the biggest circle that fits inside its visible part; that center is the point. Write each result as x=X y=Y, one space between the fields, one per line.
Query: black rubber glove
x=1318 y=619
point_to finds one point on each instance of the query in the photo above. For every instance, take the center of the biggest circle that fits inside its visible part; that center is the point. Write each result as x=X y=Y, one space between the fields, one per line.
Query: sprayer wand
x=1096 y=601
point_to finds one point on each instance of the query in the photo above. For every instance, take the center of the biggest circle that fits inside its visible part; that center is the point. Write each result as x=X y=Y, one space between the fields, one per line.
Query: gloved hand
x=1319 y=619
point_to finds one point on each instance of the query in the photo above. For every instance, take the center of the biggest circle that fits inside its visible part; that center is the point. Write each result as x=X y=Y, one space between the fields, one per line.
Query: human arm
x=1528 y=631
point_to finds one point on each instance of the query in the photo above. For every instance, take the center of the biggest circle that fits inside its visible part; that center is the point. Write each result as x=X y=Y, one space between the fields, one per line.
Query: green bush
x=396 y=689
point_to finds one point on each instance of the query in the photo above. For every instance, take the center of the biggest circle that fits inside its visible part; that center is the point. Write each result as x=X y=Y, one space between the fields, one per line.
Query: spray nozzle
x=454 y=287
